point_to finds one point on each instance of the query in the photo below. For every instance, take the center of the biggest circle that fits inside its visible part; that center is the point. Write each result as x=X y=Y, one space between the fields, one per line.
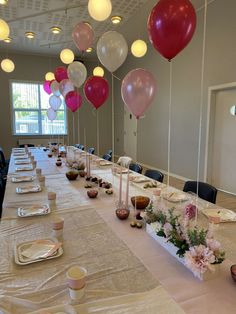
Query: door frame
x=211 y=105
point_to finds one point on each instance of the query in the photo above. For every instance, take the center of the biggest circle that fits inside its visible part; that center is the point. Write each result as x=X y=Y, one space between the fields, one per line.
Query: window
x=30 y=104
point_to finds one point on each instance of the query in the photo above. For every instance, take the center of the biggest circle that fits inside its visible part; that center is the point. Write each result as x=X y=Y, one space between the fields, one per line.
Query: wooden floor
x=223 y=199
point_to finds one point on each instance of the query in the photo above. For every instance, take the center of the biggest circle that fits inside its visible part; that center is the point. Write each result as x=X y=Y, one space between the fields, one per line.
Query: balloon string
x=202 y=96
x=78 y=128
x=73 y=129
x=68 y=131
x=169 y=126
x=116 y=77
x=113 y=118
x=98 y=146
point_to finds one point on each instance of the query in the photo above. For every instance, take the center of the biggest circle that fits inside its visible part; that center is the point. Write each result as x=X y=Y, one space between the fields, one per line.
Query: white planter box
x=172 y=250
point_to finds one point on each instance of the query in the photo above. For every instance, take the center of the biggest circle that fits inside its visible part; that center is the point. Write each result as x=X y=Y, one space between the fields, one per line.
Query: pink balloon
x=61 y=74
x=73 y=101
x=83 y=35
x=65 y=87
x=46 y=87
x=138 y=90
x=51 y=114
x=96 y=90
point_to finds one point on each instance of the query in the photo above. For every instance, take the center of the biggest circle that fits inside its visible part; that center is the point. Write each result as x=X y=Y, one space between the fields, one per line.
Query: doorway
x=130 y=135
x=221 y=149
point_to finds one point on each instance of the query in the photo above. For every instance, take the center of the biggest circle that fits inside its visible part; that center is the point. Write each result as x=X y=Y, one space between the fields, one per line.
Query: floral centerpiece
x=194 y=247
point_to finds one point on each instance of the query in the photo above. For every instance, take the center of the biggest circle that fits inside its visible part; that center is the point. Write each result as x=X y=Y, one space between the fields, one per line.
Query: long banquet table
x=128 y=272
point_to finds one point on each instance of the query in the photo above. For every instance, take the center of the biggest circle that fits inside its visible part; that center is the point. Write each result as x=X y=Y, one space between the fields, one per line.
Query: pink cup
x=157 y=192
x=57 y=223
x=214 y=220
x=76 y=276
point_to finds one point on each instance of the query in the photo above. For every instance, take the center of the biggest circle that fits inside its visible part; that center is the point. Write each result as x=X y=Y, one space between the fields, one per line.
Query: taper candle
x=120 y=191
x=127 y=191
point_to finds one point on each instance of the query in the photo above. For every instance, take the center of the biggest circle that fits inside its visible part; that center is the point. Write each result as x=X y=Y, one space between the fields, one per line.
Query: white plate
x=140 y=179
x=28 y=189
x=105 y=163
x=36 y=210
x=67 y=309
x=22 y=162
x=22 y=260
x=21 y=157
x=175 y=197
x=24 y=168
x=225 y=215
x=22 y=179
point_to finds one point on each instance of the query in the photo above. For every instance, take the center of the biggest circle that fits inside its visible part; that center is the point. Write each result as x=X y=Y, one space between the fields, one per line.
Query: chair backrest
x=205 y=190
x=2 y=159
x=109 y=152
x=23 y=145
x=124 y=161
x=107 y=157
x=91 y=150
x=154 y=174
x=136 y=167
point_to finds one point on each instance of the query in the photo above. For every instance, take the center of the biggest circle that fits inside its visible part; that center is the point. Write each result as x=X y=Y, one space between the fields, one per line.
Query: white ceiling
x=40 y=15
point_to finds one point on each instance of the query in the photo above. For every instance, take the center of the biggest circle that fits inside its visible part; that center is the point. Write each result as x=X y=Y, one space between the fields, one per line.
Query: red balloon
x=61 y=74
x=46 y=87
x=73 y=101
x=171 y=25
x=96 y=90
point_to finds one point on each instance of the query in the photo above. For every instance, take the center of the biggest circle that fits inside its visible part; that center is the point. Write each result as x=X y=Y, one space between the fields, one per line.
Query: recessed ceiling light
x=8 y=40
x=56 y=30
x=30 y=35
x=90 y=49
x=116 y=19
x=3 y=1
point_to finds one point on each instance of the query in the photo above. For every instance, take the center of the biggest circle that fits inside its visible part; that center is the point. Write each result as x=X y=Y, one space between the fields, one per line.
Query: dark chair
x=109 y=152
x=107 y=157
x=80 y=146
x=23 y=145
x=91 y=150
x=205 y=191
x=136 y=167
x=2 y=191
x=154 y=174
x=4 y=164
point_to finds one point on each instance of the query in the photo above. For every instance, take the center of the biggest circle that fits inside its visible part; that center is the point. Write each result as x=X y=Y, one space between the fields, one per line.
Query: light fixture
x=3 y=2
x=49 y=76
x=99 y=10
x=56 y=30
x=30 y=35
x=7 y=65
x=67 y=56
x=139 y=48
x=8 y=40
x=98 y=71
x=90 y=49
x=116 y=19
x=4 y=30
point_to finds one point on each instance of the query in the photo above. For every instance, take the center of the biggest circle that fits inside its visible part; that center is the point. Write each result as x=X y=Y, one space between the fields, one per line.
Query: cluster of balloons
x=171 y=25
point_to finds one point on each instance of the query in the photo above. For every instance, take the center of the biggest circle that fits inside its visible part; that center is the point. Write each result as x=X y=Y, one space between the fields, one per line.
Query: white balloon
x=112 y=50
x=55 y=102
x=51 y=114
x=55 y=88
x=77 y=73
x=65 y=87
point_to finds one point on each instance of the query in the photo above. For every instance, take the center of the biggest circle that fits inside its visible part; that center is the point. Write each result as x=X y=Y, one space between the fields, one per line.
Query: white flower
x=167 y=229
x=213 y=245
x=199 y=259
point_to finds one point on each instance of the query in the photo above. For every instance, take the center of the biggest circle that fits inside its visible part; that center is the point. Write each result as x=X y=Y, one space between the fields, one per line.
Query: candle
x=127 y=191
x=120 y=191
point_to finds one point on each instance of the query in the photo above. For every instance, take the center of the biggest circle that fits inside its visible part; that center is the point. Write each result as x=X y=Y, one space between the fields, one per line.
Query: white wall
x=220 y=68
